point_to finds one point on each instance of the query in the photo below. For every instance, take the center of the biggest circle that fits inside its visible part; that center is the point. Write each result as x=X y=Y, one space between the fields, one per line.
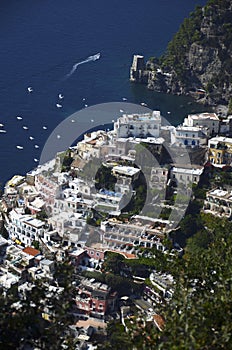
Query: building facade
x=220 y=150
x=25 y=228
x=218 y=202
x=138 y=125
x=207 y=120
x=191 y=136
x=95 y=299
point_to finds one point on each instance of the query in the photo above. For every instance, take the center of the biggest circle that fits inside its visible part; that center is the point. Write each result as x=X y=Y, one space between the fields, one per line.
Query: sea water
x=41 y=42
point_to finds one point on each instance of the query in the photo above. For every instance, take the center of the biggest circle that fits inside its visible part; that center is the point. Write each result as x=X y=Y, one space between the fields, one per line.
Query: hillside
x=198 y=60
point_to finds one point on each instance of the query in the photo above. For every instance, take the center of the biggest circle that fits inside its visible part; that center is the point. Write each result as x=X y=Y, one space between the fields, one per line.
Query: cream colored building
x=218 y=202
x=206 y=120
x=220 y=150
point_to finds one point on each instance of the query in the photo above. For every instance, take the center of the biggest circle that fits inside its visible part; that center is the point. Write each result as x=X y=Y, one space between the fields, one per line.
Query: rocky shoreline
x=155 y=79
x=197 y=61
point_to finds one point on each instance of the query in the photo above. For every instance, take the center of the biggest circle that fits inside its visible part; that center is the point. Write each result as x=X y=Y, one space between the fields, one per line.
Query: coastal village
x=84 y=206
x=123 y=240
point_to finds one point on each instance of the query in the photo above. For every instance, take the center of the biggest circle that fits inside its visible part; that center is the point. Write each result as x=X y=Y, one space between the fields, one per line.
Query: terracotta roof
x=159 y=321
x=31 y=251
x=127 y=255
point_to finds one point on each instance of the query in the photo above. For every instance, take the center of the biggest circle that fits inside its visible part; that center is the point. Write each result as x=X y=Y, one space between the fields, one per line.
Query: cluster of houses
x=47 y=213
x=70 y=200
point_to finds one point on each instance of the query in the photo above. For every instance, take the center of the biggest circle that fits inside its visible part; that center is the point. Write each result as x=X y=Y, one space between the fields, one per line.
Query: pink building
x=95 y=298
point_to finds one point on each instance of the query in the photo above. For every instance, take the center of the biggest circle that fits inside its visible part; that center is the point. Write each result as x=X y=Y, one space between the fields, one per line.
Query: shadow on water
x=174 y=108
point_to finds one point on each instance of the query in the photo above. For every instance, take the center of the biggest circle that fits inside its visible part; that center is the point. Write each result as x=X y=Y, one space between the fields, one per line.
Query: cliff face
x=198 y=60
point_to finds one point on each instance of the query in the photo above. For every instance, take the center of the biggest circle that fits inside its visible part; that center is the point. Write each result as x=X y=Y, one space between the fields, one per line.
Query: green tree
x=113 y=262
x=105 y=179
x=117 y=338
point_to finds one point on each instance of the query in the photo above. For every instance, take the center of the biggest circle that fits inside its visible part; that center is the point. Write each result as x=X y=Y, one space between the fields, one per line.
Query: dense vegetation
x=188 y=33
x=199 y=55
x=105 y=179
x=39 y=318
x=199 y=314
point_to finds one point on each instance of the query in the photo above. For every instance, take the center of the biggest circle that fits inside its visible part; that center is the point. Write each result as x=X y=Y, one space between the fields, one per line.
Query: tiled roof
x=31 y=251
x=159 y=321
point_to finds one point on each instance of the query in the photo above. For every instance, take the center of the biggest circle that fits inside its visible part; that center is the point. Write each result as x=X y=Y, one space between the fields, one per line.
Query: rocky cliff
x=198 y=60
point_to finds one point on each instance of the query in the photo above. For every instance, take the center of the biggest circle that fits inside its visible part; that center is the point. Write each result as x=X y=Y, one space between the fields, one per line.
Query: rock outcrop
x=198 y=60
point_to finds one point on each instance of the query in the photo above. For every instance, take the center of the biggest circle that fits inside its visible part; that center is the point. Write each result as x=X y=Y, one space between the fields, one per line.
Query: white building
x=117 y=235
x=92 y=144
x=68 y=225
x=74 y=198
x=7 y=279
x=109 y=201
x=186 y=176
x=138 y=125
x=48 y=266
x=127 y=171
x=25 y=228
x=81 y=187
x=206 y=120
x=193 y=136
x=218 y=202
x=125 y=176
x=115 y=149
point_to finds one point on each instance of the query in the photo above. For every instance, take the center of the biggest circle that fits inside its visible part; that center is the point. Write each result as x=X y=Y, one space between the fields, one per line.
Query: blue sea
x=42 y=40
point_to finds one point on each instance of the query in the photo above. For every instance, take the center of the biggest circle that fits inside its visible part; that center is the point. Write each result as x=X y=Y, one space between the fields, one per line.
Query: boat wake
x=88 y=59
